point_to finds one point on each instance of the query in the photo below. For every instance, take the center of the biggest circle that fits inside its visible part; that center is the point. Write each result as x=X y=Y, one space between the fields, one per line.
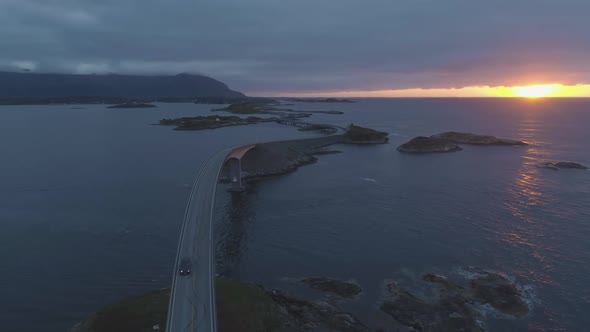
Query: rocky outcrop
x=474 y=139
x=423 y=144
x=309 y=316
x=499 y=292
x=449 y=314
x=334 y=286
x=562 y=165
x=453 y=309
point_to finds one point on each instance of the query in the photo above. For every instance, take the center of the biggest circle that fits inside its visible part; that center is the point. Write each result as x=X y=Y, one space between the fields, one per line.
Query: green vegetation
x=240 y=307
x=136 y=314
x=356 y=134
x=244 y=307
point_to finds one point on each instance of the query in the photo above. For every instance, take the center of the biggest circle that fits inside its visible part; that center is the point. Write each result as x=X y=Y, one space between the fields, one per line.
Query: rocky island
x=360 y=135
x=133 y=105
x=448 y=142
x=422 y=144
x=562 y=165
x=211 y=122
x=320 y=100
x=474 y=139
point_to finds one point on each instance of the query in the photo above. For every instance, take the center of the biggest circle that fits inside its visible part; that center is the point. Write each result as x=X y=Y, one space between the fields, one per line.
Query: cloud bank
x=269 y=46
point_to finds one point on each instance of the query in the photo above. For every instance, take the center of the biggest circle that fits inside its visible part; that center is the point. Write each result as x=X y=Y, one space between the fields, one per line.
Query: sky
x=310 y=47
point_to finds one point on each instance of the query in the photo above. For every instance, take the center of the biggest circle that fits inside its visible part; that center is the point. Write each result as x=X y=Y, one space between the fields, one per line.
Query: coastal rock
x=308 y=316
x=449 y=314
x=423 y=144
x=338 y=287
x=450 y=287
x=474 y=139
x=562 y=165
x=500 y=293
x=453 y=306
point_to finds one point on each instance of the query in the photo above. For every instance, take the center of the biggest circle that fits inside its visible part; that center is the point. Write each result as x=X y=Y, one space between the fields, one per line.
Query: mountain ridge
x=31 y=85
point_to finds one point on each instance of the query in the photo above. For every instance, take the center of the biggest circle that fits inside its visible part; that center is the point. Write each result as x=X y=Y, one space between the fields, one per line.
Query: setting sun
x=536 y=91
x=522 y=91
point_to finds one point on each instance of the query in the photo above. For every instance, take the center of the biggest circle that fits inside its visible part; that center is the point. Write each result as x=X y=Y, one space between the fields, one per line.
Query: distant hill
x=38 y=86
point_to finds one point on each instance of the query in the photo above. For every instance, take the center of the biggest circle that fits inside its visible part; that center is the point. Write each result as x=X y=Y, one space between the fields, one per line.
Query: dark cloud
x=262 y=46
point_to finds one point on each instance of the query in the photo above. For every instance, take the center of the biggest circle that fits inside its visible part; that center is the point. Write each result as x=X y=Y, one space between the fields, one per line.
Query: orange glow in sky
x=536 y=91
x=528 y=91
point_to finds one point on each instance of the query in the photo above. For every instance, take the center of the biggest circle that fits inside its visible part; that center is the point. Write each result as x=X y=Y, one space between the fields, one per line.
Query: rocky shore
x=451 y=305
x=334 y=286
x=455 y=306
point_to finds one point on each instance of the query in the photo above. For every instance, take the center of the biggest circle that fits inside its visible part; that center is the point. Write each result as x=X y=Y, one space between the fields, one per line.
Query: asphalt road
x=192 y=299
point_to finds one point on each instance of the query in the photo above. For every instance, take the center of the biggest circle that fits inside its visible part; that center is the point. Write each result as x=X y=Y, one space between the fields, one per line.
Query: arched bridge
x=235 y=164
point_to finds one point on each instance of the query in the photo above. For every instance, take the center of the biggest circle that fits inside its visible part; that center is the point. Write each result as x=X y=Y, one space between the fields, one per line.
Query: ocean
x=92 y=199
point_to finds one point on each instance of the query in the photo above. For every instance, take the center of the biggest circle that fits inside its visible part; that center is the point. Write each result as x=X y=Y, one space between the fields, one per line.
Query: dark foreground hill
x=71 y=87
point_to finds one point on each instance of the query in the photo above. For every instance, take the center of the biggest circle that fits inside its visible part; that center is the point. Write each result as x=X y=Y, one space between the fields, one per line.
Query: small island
x=133 y=105
x=562 y=165
x=361 y=135
x=448 y=142
x=474 y=139
x=320 y=100
x=211 y=122
x=422 y=144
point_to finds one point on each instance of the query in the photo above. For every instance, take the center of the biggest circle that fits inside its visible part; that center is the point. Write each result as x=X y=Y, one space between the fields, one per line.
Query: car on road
x=185 y=267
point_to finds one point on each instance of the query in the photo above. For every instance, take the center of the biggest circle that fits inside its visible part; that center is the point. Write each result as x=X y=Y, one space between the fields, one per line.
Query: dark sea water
x=91 y=202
